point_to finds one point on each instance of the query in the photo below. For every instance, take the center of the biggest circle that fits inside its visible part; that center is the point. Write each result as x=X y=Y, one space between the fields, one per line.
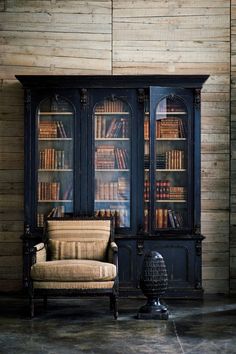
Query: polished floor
x=86 y=326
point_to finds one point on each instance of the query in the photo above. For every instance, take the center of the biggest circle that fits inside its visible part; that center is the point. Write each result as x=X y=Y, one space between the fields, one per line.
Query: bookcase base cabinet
x=182 y=257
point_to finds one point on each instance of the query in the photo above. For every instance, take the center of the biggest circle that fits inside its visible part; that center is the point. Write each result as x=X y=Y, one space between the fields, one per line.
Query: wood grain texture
x=233 y=153
x=189 y=37
x=38 y=37
x=44 y=37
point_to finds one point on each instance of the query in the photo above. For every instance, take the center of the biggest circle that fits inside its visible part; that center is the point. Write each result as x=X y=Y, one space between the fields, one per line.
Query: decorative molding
x=198 y=247
x=172 y=97
x=141 y=95
x=140 y=247
x=197 y=230
x=84 y=96
x=197 y=99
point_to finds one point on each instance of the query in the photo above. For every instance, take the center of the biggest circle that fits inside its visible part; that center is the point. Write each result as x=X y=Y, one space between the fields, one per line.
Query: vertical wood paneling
x=189 y=37
x=233 y=152
x=38 y=37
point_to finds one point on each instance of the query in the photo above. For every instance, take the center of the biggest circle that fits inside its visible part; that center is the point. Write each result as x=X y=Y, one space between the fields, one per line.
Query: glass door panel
x=112 y=160
x=171 y=151
x=55 y=119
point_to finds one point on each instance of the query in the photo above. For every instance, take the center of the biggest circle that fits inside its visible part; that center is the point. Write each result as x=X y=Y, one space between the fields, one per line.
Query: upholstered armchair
x=79 y=257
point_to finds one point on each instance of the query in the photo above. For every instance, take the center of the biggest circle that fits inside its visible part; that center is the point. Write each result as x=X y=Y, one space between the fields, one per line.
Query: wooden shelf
x=112 y=201
x=171 y=113
x=111 y=113
x=167 y=139
x=113 y=139
x=167 y=170
x=174 y=139
x=54 y=139
x=111 y=170
x=55 y=170
x=170 y=170
x=171 y=201
x=55 y=113
x=55 y=201
x=167 y=200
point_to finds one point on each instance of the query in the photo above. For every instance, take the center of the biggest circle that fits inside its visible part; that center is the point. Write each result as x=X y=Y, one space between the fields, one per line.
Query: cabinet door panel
x=171 y=154
x=179 y=258
x=113 y=188
x=55 y=158
x=127 y=264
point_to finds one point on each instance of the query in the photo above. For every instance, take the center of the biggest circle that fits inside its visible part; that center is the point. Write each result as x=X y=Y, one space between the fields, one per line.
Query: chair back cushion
x=78 y=239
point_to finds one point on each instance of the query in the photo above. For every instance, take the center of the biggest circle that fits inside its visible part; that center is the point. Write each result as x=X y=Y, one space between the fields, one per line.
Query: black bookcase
x=122 y=146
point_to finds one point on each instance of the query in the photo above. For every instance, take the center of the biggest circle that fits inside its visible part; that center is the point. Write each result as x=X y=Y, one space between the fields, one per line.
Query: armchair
x=79 y=257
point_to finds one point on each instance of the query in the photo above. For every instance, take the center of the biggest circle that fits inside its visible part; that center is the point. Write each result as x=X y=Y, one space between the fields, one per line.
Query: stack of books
x=52 y=129
x=105 y=157
x=170 y=128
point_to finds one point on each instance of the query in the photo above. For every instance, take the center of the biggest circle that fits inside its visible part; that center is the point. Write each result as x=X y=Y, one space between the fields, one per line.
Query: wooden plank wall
x=39 y=37
x=233 y=152
x=189 y=37
x=119 y=37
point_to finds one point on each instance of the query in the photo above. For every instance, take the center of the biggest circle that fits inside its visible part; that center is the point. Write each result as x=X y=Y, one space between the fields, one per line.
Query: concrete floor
x=86 y=326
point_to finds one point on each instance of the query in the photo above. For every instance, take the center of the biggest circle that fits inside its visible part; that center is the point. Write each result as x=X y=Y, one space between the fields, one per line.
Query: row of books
x=172 y=159
x=120 y=215
x=114 y=190
x=111 y=128
x=51 y=159
x=111 y=157
x=164 y=191
x=52 y=191
x=166 y=218
x=52 y=129
x=48 y=190
x=56 y=212
x=110 y=106
x=170 y=128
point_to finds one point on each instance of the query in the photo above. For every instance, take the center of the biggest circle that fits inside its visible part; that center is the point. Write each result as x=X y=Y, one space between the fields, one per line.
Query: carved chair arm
x=40 y=253
x=113 y=253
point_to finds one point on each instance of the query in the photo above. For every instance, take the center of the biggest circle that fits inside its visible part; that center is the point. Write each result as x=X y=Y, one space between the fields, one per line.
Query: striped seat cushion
x=73 y=270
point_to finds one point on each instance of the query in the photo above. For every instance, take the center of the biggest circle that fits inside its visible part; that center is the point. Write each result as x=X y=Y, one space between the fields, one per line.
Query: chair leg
x=45 y=302
x=31 y=305
x=115 y=306
x=111 y=303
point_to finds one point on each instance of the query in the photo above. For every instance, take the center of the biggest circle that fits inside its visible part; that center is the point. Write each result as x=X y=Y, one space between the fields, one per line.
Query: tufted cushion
x=73 y=270
x=78 y=239
x=95 y=250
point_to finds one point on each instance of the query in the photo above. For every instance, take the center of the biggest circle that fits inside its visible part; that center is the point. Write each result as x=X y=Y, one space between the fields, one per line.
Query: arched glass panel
x=55 y=117
x=171 y=151
x=112 y=160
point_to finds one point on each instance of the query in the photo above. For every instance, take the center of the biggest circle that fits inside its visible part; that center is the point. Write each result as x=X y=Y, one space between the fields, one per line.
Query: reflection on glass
x=112 y=160
x=171 y=164
x=55 y=158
